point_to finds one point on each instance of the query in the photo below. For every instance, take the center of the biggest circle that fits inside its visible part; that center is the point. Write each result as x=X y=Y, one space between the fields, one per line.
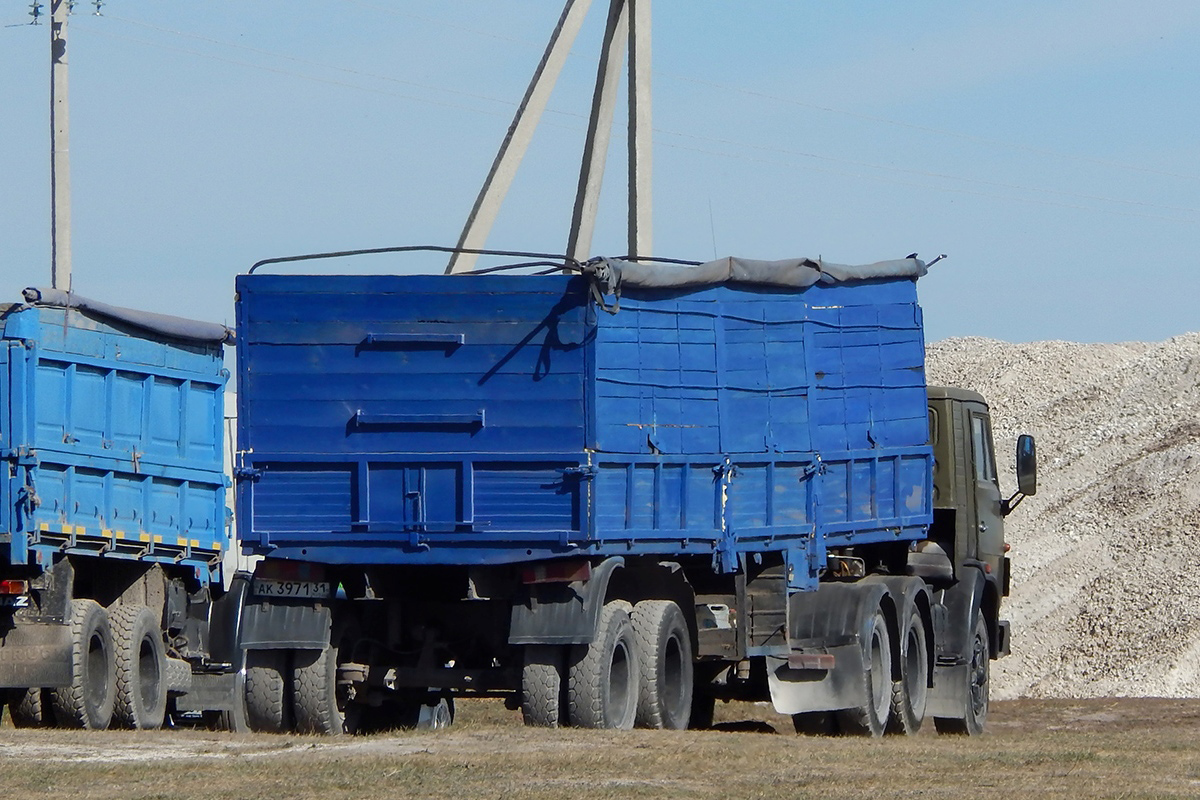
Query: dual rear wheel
x=636 y=671
x=301 y=690
x=118 y=673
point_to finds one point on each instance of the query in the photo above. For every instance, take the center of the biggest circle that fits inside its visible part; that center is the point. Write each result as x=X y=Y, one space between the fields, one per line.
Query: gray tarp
x=798 y=273
x=162 y=324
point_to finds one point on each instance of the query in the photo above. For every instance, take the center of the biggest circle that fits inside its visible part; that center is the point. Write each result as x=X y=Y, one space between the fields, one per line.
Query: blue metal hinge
x=726 y=467
x=583 y=472
x=247 y=474
x=23 y=456
x=815 y=468
x=28 y=500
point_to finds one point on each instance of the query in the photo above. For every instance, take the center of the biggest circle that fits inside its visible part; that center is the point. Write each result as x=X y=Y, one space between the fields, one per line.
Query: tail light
x=557 y=572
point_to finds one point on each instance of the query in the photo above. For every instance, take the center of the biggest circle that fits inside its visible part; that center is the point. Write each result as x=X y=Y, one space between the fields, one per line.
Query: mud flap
x=828 y=621
x=796 y=691
x=32 y=654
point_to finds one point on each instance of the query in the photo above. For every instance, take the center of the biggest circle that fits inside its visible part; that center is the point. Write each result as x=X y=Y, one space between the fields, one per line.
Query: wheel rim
x=914 y=670
x=879 y=678
x=979 y=677
x=149 y=675
x=621 y=692
x=97 y=670
x=673 y=669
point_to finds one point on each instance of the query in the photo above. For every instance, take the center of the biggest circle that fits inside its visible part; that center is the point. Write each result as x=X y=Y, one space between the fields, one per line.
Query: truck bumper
x=34 y=654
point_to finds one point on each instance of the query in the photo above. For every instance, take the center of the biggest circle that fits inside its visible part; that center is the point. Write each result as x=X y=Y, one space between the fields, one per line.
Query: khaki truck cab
x=969 y=512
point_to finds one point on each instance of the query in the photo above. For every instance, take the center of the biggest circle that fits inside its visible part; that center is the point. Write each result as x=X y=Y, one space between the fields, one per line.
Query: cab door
x=989 y=517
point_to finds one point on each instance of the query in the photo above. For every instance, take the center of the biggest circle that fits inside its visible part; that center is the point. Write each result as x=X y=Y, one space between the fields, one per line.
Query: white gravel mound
x=1106 y=557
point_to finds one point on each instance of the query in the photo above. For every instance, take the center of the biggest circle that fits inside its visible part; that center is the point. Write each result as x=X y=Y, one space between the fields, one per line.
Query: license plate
x=267 y=588
x=14 y=601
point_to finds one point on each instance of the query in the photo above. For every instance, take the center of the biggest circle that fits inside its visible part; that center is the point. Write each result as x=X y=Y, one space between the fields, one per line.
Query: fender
x=954 y=617
x=830 y=616
x=562 y=613
x=225 y=623
x=957 y=608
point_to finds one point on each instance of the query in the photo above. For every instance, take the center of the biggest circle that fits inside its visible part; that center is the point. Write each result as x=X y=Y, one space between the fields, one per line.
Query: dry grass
x=1047 y=749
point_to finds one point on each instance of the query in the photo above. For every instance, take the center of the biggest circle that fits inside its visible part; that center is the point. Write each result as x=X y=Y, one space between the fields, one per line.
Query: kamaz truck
x=113 y=518
x=614 y=497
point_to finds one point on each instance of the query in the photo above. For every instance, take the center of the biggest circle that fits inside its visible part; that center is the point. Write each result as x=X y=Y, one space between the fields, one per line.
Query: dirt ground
x=1109 y=748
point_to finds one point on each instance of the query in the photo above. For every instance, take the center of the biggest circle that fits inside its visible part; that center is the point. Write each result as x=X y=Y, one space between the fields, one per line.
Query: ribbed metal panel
x=113 y=437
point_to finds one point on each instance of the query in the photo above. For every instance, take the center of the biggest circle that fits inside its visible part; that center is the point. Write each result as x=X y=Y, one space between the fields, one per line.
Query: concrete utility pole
x=628 y=21
x=595 y=148
x=60 y=150
x=641 y=241
x=520 y=133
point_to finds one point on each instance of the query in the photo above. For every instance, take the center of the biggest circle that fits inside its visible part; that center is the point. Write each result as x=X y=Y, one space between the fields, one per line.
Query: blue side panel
x=113 y=440
x=397 y=418
x=433 y=419
x=657 y=377
x=806 y=411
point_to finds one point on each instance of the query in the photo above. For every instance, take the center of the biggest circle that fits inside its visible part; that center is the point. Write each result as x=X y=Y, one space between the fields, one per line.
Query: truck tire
x=602 y=682
x=871 y=718
x=664 y=649
x=543 y=701
x=30 y=708
x=910 y=694
x=88 y=701
x=266 y=710
x=977 y=688
x=315 y=696
x=141 y=668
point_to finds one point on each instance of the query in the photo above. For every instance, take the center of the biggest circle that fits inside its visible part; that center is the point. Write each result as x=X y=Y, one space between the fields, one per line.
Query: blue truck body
x=613 y=497
x=113 y=518
x=492 y=419
x=114 y=441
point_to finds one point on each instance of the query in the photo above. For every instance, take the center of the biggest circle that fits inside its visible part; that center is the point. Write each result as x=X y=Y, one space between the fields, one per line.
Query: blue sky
x=1050 y=148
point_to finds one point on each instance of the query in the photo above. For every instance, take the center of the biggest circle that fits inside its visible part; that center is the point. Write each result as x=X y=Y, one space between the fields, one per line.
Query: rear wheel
x=141 y=667
x=910 y=694
x=978 y=678
x=320 y=704
x=870 y=719
x=543 y=702
x=30 y=708
x=266 y=710
x=664 y=665
x=88 y=701
x=603 y=676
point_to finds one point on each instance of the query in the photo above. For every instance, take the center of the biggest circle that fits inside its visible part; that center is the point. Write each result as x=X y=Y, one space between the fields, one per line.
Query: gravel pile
x=1106 y=557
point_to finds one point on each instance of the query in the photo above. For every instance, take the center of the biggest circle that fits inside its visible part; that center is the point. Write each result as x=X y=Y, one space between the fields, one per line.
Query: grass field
x=1129 y=748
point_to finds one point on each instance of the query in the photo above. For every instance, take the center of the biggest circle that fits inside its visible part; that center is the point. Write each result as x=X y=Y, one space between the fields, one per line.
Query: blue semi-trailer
x=614 y=497
x=113 y=520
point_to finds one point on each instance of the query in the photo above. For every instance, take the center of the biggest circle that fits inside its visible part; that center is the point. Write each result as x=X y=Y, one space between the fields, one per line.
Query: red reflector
x=14 y=587
x=557 y=572
x=811 y=661
x=279 y=570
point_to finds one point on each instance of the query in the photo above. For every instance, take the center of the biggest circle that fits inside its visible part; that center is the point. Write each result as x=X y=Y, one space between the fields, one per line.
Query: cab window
x=981 y=445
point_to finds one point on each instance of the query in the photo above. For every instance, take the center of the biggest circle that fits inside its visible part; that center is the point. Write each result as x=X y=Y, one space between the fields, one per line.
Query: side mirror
x=1026 y=465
